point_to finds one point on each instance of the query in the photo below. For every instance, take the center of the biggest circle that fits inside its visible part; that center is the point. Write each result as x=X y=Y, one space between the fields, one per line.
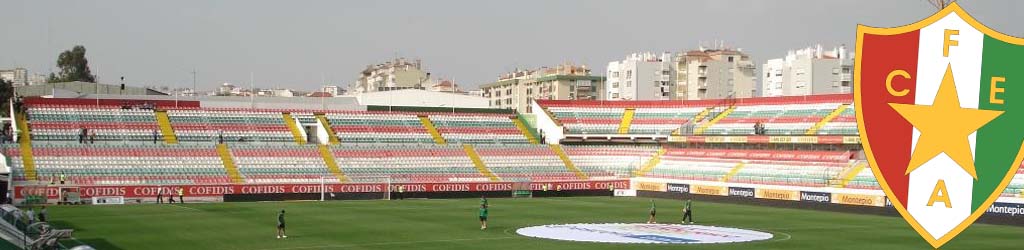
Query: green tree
x=6 y=93
x=73 y=67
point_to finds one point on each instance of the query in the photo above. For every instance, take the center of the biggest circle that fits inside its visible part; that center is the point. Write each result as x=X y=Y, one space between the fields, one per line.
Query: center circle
x=644 y=233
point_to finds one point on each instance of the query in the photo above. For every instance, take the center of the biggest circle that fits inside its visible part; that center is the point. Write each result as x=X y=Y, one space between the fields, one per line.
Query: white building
x=333 y=90
x=17 y=76
x=717 y=73
x=809 y=71
x=35 y=79
x=641 y=76
x=392 y=75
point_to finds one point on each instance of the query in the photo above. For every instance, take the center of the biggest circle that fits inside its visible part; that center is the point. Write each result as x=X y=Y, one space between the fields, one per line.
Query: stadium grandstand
x=87 y=151
x=805 y=142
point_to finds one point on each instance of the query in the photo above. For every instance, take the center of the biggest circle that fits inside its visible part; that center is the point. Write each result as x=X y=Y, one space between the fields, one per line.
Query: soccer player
x=483 y=200
x=687 y=212
x=159 y=195
x=280 y=225
x=651 y=219
x=483 y=214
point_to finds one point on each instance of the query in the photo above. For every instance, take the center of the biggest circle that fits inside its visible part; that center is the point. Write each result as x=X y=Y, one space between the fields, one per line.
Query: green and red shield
x=940 y=105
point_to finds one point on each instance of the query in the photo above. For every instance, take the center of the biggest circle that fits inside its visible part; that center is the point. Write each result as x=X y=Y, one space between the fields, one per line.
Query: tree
x=6 y=93
x=73 y=67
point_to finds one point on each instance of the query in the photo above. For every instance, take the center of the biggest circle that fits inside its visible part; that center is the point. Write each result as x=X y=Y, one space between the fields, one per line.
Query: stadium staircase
x=650 y=164
x=627 y=119
x=828 y=118
x=429 y=125
x=719 y=117
x=165 y=127
x=332 y=164
x=294 y=128
x=229 y=164
x=733 y=172
x=331 y=136
x=702 y=114
x=25 y=141
x=552 y=116
x=527 y=132
x=698 y=117
x=568 y=163
x=479 y=164
x=851 y=173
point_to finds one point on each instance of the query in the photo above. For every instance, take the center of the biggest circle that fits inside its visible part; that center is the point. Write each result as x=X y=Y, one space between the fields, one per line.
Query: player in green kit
x=483 y=215
x=687 y=212
x=651 y=219
x=483 y=200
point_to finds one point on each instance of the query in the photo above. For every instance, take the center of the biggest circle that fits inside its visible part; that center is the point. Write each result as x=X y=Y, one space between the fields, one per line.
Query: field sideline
x=452 y=224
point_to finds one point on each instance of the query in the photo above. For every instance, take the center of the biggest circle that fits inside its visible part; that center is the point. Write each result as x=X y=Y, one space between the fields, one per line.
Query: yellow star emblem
x=944 y=126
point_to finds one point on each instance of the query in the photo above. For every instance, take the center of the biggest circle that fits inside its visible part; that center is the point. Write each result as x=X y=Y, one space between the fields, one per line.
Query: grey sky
x=294 y=43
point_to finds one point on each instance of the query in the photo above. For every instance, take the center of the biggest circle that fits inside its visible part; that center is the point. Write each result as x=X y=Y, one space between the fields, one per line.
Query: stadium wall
x=292 y=190
x=549 y=130
x=1008 y=211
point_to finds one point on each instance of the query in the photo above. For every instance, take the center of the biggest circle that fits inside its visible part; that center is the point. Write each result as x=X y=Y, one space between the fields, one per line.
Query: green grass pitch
x=453 y=224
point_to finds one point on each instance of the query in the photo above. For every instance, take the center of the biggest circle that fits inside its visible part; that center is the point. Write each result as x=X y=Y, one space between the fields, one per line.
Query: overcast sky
x=295 y=44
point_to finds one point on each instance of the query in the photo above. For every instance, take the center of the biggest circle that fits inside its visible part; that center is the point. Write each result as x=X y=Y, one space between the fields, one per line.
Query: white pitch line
x=386 y=243
x=189 y=208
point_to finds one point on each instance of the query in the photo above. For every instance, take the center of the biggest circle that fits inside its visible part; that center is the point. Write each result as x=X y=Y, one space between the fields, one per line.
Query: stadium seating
x=478 y=129
x=373 y=127
x=778 y=119
x=62 y=123
x=617 y=160
x=589 y=120
x=234 y=125
x=139 y=164
x=407 y=162
x=280 y=164
x=781 y=116
x=398 y=146
x=791 y=168
x=532 y=162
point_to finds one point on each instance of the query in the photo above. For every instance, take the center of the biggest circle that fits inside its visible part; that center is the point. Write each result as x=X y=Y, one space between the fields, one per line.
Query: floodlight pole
x=322 y=188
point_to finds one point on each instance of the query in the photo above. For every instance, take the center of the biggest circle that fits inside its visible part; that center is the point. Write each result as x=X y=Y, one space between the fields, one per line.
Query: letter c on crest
x=888 y=82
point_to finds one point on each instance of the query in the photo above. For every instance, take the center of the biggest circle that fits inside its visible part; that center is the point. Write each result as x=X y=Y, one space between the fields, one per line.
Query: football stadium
x=753 y=173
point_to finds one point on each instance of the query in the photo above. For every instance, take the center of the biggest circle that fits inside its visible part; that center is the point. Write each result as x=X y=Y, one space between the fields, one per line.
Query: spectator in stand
x=155 y=135
x=63 y=177
x=220 y=136
x=92 y=137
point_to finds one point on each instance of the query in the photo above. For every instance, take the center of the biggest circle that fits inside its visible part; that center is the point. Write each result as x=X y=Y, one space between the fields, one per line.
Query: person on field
x=688 y=212
x=159 y=195
x=31 y=214
x=280 y=225
x=653 y=212
x=42 y=214
x=483 y=214
x=181 y=195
